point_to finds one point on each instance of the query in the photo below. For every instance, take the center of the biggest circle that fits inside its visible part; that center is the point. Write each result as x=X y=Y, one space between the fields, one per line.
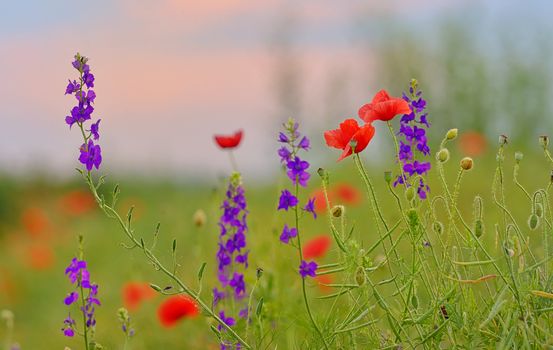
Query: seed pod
x=538 y=210
x=451 y=134
x=360 y=276
x=533 y=222
x=518 y=156
x=410 y=193
x=199 y=218
x=510 y=252
x=438 y=227
x=479 y=228
x=415 y=300
x=337 y=210
x=388 y=176
x=466 y=163
x=544 y=141
x=503 y=140
x=443 y=155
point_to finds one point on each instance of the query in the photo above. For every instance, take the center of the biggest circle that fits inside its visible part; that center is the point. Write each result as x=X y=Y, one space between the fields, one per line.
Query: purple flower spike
x=308 y=269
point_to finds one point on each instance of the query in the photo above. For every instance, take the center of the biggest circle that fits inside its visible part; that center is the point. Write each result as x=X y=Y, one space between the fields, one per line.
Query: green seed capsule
x=410 y=194
x=415 y=301
x=533 y=221
x=539 y=210
x=360 y=276
x=438 y=227
x=478 y=228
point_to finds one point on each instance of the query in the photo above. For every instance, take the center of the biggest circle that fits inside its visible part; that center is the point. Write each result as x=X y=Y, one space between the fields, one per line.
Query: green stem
x=85 y=328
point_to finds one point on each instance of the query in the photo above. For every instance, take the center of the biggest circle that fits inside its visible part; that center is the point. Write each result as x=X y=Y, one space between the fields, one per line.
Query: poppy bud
x=451 y=134
x=410 y=193
x=7 y=317
x=533 y=221
x=388 y=176
x=360 y=276
x=259 y=272
x=539 y=210
x=415 y=300
x=337 y=210
x=443 y=155
x=518 y=156
x=353 y=145
x=502 y=140
x=123 y=314
x=466 y=163
x=544 y=141
x=510 y=252
x=478 y=228
x=438 y=227
x=199 y=218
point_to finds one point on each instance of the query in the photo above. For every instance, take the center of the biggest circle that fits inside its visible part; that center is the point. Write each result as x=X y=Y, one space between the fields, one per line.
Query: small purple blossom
x=71 y=298
x=88 y=80
x=304 y=143
x=94 y=128
x=91 y=155
x=238 y=284
x=287 y=234
x=284 y=154
x=229 y=321
x=310 y=207
x=308 y=268
x=287 y=200
x=297 y=171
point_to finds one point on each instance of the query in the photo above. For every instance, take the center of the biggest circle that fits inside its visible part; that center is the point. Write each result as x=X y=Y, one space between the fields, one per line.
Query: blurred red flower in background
x=229 y=141
x=316 y=247
x=40 y=256
x=349 y=131
x=347 y=194
x=472 y=144
x=175 y=308
x=35 y=221
x=322 y=280
x=134 y=293
x=76 y=203
x=383 y=107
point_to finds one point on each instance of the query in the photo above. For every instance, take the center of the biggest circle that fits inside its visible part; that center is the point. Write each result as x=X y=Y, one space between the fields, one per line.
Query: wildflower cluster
x=232 y=255
x=90 y=152
x=414 y=141
x=296 y=169
x=87 y=292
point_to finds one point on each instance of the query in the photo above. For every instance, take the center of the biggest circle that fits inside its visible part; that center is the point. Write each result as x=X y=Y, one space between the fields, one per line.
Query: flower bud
x=360 y=276
x=467 y=163
x=544 y=141
x=518 y=156
x=388 y=176
x=410 y=193
x=539 y=210
x=337 y=210
x=199 y=218
x=259 y=272
x=533 y=222
x=353 y=145
x=503 y=140
x=438 y=227
x=443 y=155
x=510 y=252
x=478 y=228
x=451 y=134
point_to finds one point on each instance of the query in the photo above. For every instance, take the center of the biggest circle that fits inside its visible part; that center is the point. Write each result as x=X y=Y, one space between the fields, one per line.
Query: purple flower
x=416 y=168
x=71 y=298
x=229 y=321
x=72 y=87
x=90 y=96
x=217 y=295
x=296 y=171
x=94 y=128
x=310 y=207
x=287 y=234
x=283 y=138
x=304 y=143
x=74 y=269
x=91 y=155
x=237 y=282
x=68 y=325
x=242 y=259
x=287 y=200
x=308 y=268
x=88 y=80
x=284 y=154
x=243 y=313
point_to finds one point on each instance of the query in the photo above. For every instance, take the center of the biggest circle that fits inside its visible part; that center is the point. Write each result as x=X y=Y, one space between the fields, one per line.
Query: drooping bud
x=443 y=155
x=538 y=210
x=451 y=134
x=438 y=227
x=360 y=276
x=466 y=163
x=533 y=222
x=388 y=176
x=544 y=141
x=478 y=228
x=503 y=140
x=199 y=218
x=337 y=211
x=518 y=156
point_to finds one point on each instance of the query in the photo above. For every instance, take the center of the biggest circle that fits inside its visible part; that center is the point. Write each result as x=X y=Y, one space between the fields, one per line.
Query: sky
x=170 y=74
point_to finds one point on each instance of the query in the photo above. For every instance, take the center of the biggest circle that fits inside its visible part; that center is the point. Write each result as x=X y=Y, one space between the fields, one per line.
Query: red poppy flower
x=77 y=203
x=229 y=141
x=175 y=308
x=136 y=292
x=40 y=256
x=347 y=194
x=349 y=131
x=316 y=247
x=35 y=221
x=472 y=143
x=322 y=280
x=383 y=107
x=320 y=200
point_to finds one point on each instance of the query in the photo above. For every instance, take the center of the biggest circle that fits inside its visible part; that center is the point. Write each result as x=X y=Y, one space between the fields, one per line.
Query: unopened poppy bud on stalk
x=388 y=176
x=337 y=211
x=199 y=218
x=451 y=134
x=503 y=140
x=544 y=141
x=518 y=156
x=533 y=222
x=410 y=193
x=443 y=155
x=467 y=163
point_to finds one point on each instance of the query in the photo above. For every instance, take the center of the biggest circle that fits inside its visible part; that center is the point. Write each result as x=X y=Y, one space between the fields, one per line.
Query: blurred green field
x=39 y=238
